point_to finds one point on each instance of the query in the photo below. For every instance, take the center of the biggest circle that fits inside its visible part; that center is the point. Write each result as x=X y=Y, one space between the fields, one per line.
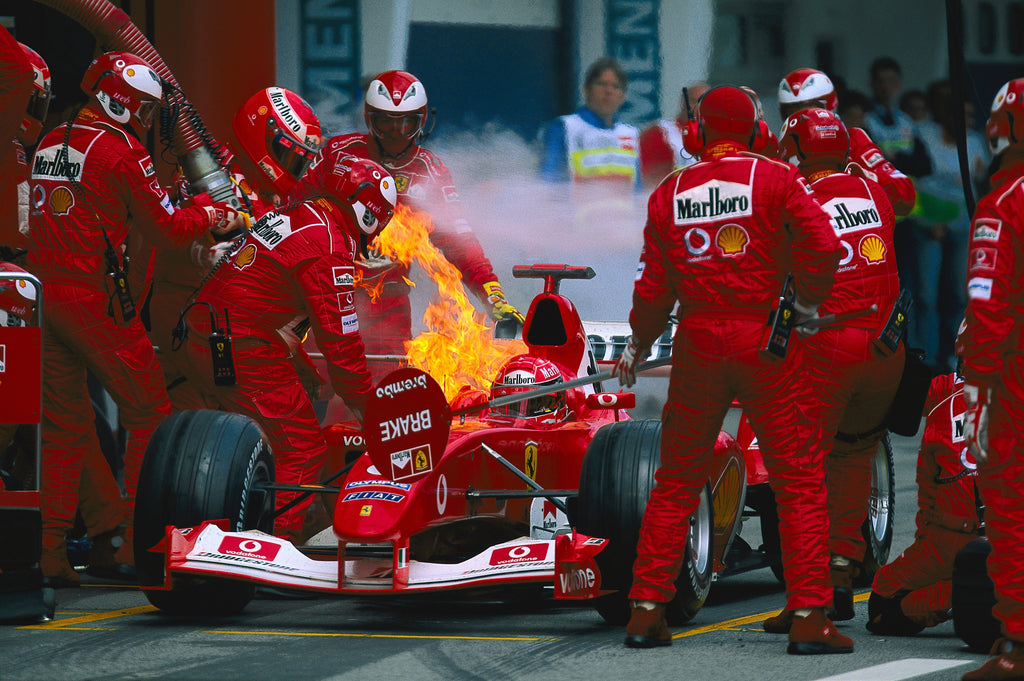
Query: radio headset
x=117 y=267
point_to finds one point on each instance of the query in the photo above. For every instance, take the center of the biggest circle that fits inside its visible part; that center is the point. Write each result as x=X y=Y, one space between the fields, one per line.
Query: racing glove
x=976 y=421
x=223 y=221
x=626 y=364
x=501 y=309
x=805 y=313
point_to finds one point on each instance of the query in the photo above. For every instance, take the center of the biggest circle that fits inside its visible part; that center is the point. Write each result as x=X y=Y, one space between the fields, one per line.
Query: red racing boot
x=647 y=626
x=1006 y=663
x=779 y=624
x=815 y=634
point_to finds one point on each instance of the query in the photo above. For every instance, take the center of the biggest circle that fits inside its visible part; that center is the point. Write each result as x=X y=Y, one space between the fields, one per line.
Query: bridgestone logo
x=713 y=201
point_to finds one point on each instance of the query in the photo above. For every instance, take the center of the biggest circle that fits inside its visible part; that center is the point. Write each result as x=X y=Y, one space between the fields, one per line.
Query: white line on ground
x=898 y=670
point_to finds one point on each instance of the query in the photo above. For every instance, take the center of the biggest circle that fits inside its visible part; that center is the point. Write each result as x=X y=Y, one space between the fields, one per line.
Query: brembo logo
x=713 y=201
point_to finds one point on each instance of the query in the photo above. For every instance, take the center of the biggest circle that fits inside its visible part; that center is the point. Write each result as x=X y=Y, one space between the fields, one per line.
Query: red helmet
x=808 y=87
x=815 y=138
x=346 y=180
x=127 y=88
x=17 y=297
x=39 y=104
x=1005 y=126
x=275 y=135
x=523 y=373
x=395 y=109
x=727 y=113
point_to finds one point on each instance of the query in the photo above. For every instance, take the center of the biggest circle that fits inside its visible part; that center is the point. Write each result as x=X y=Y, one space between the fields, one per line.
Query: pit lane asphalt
x=111 y=632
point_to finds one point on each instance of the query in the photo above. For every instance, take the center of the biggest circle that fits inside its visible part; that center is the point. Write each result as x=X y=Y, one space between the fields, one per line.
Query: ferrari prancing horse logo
x=531 y=459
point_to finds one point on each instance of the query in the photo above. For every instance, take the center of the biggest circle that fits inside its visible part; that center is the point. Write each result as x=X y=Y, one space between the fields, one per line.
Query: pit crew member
x=915 y=590
x=809 y=88
x=274 y=136
x=395 y=108
x=16 y=92
x=721 y=237
x=993 y=367
x=856 y=372
x=662 y=147
x=296 y=260
x=92 y=184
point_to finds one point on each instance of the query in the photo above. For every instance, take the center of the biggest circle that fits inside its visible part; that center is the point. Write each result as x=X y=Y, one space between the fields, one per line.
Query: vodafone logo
x=524 y=553
x=249 y=548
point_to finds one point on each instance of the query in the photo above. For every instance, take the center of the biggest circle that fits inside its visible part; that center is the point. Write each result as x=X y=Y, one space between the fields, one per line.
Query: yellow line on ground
x=749 y=619
x=94 y=617
x=356 y=635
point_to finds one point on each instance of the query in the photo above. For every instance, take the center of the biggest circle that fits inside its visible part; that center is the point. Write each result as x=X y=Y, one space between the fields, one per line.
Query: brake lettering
x=404 y=425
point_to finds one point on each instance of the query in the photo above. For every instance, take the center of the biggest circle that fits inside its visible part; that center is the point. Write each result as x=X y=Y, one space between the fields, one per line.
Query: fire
x=458 y=347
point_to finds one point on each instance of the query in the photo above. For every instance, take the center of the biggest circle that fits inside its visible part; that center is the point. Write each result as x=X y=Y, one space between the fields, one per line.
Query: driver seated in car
x=524 y=373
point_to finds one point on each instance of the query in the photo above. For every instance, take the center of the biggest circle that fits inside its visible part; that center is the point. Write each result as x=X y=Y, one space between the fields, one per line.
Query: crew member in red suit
x=274 y=137
x=92 y=184
x=993 y=359
x=296 y=261
x=16 y=92
x=915 y=591
x=661 y=144
x=721 y=238
x=855 y=372
x=810 y=88
x=395 y=108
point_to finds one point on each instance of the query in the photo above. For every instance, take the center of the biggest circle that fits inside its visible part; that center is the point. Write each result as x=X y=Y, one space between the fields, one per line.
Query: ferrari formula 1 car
x=443 y=497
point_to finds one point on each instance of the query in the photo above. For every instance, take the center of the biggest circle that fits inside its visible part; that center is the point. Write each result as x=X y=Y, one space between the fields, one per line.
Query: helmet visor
x=294 y=157
x=407 y=125
x=38 y=105
x=146 y=112
x=535 y=406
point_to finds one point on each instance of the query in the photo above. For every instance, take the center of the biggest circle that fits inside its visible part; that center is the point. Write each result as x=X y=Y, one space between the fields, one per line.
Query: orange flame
x=458 y=347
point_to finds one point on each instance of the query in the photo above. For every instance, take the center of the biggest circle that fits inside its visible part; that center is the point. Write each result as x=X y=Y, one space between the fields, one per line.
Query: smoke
x=522 y=220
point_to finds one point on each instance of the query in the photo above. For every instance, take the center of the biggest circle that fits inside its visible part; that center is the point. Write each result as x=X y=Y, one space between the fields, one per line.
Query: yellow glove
x=501 y=309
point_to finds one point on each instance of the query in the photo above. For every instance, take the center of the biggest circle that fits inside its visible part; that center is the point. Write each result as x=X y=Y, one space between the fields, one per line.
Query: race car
x=460 y=496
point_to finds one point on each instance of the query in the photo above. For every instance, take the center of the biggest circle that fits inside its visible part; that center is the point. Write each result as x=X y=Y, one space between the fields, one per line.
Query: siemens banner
x=330 y=68
x=632 y=38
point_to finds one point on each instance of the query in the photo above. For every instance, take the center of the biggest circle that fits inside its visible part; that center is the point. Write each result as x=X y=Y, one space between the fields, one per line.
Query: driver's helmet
x=17 y=297
x=524 y=373
x=1005 y=126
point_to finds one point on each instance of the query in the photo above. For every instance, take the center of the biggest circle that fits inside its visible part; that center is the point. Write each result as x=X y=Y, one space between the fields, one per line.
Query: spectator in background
x=914 y=103
x=853 y=106
x=591 y=143
x=896 y=135
x=942 y=223
x=661 y=144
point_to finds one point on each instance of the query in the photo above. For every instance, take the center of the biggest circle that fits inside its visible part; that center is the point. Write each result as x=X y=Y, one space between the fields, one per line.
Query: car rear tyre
x=201 y=465
x=878 y=526
x=615 y=482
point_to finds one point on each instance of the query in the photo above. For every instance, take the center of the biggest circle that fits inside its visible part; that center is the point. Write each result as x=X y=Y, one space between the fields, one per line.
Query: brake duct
x=115 y=31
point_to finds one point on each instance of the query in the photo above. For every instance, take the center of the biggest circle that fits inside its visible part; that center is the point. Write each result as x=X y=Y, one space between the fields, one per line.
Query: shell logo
x=732 y=239
x=246 y=256
x=62 y=200
x=873 y=249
